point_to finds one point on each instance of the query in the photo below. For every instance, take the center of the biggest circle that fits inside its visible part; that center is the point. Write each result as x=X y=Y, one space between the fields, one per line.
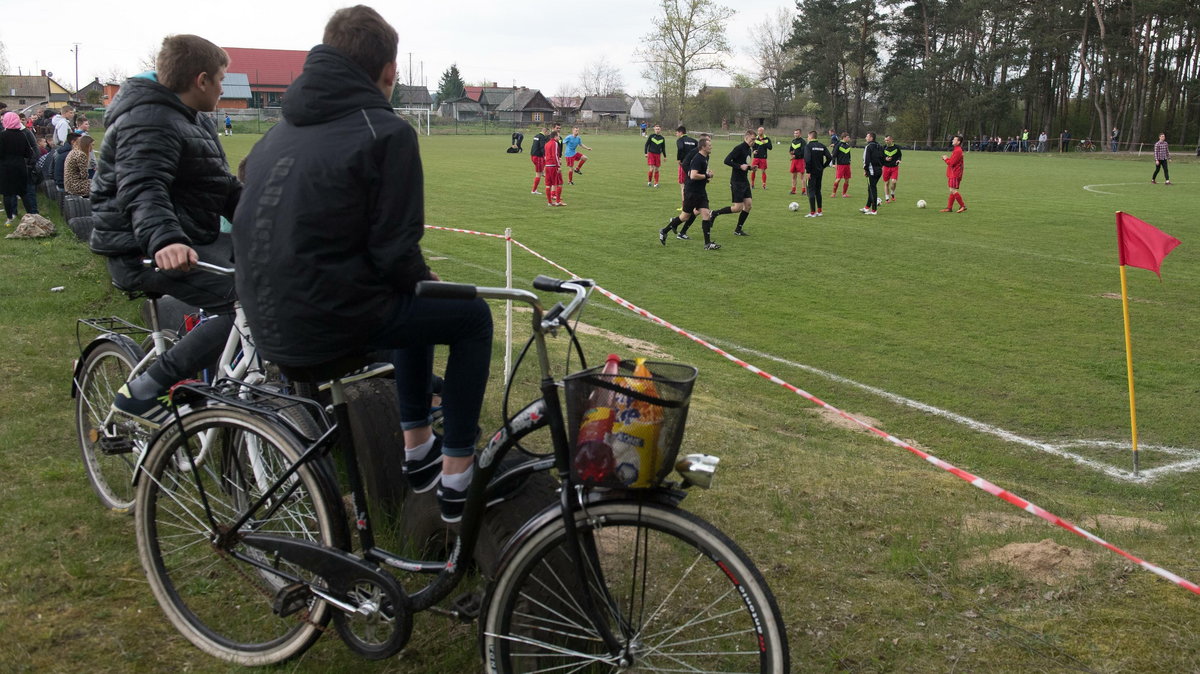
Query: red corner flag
x=1141 y=244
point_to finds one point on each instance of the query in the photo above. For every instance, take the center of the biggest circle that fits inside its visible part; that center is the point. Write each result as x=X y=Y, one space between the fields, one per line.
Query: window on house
x=537 y=116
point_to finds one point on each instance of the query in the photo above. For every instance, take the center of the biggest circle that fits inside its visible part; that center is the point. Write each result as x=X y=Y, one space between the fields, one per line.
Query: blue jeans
x=413 y=329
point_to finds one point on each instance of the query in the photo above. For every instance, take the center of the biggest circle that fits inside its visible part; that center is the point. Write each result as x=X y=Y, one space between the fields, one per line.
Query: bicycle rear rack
x=110 y=324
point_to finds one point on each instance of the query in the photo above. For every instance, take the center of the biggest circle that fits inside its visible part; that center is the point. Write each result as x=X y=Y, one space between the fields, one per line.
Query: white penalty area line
x=1090 y=188
x=1057 y=449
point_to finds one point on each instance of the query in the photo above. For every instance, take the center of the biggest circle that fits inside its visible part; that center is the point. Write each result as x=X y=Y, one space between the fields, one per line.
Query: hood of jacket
x=331 y=87
x=140 y=90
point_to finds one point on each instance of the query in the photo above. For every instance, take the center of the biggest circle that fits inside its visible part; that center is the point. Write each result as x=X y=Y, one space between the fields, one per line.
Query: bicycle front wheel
x=111 y=444
x=193 y=487
x=676 y=592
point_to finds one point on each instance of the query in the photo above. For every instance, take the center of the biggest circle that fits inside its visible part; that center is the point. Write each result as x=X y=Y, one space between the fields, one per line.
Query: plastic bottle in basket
x=635 y=432
x=593 y=451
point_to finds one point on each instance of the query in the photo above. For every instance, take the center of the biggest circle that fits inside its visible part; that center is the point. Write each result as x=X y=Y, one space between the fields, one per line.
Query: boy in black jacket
x=160 y=189
x=816 y=158
x=328 y=241
x=872 y=168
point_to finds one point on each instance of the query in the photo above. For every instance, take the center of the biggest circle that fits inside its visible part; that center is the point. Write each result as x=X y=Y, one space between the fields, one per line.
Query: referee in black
x=741 y=160
x=872 y=168
x=816 y=158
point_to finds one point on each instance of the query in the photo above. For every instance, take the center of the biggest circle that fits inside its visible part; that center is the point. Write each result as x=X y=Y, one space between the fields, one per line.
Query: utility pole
x=410 y=69
x=76 y=68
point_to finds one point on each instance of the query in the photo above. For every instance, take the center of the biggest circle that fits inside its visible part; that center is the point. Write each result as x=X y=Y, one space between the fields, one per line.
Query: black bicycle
x=249 y=553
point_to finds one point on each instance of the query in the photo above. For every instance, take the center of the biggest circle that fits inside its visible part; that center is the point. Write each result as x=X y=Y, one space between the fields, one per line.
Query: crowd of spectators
x=37 y=147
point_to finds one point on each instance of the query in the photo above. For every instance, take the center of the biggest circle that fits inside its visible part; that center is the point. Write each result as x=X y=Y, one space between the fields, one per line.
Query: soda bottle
x=634 y=437
x=593 y=450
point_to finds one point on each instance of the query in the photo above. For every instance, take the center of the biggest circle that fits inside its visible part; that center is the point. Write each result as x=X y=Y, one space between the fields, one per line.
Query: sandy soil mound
x=1044 y=561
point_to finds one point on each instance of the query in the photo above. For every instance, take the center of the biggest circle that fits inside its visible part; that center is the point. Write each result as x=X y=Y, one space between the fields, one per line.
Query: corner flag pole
x=1129 y=368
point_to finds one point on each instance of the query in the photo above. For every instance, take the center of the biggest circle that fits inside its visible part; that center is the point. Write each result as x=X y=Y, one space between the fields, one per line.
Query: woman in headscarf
x=15 y=154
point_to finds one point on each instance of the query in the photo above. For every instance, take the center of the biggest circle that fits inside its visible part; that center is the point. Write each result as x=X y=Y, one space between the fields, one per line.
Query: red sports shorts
x=571 y=160
x=891 y=173
x=843 y=172
x=539 y=163
x=682 y=175
x=653 y=159
x=797 y=166
x=954 y=182
x=760 y=164
x=553 y=177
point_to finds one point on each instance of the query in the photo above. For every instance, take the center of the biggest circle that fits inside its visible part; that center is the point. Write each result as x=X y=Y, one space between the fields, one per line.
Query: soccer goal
x=418 y=117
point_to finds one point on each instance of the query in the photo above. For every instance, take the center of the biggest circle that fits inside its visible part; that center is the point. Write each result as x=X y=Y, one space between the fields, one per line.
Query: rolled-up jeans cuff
x=410 y=425
x=458 y=452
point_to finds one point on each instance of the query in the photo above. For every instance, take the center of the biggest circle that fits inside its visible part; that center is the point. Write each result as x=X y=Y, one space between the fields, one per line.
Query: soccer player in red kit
x=796 y=150
x=554 y=179
x=954 y=174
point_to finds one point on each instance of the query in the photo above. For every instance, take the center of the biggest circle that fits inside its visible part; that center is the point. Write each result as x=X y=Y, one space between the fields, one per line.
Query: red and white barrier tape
x=976 y=481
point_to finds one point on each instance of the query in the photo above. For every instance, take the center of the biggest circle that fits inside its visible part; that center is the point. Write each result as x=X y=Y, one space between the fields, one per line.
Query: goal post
x=418 y=117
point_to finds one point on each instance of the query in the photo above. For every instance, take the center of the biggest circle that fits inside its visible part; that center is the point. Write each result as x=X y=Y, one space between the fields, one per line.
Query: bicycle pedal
x=290 y=599
x=112 y=446
x=468 y=606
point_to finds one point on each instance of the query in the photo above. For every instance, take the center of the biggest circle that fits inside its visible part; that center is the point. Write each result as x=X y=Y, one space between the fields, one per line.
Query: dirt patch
x=1045 y=561
x=1121 y=523
x=640 y=347
x=1117 y=296
x=835 y=419
x=992 y=523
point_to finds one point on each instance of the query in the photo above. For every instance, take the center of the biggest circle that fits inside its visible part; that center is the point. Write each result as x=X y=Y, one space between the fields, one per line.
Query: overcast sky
x=489 y=40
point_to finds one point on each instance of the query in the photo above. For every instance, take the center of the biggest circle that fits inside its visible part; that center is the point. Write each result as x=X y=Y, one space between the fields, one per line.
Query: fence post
x=508 y=306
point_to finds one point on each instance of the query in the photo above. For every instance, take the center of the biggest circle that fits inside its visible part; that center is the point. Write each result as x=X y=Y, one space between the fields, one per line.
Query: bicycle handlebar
x=201 y=265
x=444 y=290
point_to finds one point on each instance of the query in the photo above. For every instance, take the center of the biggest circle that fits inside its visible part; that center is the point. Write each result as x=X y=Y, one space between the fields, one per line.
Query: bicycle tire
x=110 y=472
x=221 y=604
x=673 y=584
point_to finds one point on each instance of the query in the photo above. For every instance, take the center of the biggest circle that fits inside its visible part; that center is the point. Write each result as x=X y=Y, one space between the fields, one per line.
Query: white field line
x=1192 y=461
x=1089 y=187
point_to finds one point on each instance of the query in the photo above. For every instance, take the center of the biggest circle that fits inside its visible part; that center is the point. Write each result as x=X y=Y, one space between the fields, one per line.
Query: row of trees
x=929 y=68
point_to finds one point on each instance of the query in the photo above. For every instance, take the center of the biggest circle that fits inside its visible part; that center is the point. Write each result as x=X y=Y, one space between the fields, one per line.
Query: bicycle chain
x=303 y=616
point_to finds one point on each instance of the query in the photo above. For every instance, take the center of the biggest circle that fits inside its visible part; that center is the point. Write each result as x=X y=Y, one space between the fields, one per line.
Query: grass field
x=1007 y=315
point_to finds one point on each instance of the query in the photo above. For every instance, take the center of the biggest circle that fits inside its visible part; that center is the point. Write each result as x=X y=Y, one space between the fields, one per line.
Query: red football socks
x=535 y=183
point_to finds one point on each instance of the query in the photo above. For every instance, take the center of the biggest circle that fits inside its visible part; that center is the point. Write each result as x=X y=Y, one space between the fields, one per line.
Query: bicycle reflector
x=698 y=469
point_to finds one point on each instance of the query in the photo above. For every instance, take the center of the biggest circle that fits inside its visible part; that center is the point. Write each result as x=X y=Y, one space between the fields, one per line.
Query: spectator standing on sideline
x=1162 y=154
x=60 y=157
x=1064 y=141
x=62 y=126
x=228 y=125
x=872 y=169
x=891 y=168
x=1113 y=139
x=342 y=155
x=796 y=151
x=161 y=186
x=537 y=155
x=15 y=155
x=642 y=126
x=656 y=147
x=954 y=174
x=762 y=145
x=816 y=159
x=75 y=169
x=1042 y=139
x=833 y=139
x=740 y=161
x=841 y=158
x=30 y=197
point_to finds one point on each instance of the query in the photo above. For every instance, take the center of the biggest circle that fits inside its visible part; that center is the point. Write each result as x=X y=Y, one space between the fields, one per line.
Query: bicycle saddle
x=329 y=370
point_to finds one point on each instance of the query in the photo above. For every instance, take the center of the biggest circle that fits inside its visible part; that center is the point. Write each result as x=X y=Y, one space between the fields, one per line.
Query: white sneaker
x=811 y=215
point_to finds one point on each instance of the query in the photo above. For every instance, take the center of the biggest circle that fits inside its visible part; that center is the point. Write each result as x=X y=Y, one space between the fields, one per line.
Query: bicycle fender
x=131 y=347
x=553 y=513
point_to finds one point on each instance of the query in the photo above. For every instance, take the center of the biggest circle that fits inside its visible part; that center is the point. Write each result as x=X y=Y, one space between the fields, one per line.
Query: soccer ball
x=920 y=203
x=793 y=206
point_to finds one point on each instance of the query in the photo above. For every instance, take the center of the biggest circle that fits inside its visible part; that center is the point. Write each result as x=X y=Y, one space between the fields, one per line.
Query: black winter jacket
x=328 y=232
x=161 y=176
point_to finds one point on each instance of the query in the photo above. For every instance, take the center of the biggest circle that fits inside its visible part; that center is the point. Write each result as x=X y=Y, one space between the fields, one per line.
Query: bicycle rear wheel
x=188 y=495
x=110 y=443
x=677 y=593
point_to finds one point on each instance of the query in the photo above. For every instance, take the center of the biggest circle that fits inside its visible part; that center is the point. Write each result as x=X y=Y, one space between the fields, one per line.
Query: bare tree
x=600 y=78
x=113 y=74
x=774 y=58
x=149 y=61
x=688 y=38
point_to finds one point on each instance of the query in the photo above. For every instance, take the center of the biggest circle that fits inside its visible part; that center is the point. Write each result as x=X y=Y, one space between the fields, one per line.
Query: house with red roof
x=269 y=72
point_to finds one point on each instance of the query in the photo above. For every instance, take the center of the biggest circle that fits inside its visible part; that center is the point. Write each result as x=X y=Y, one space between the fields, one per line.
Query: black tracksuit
x=873 y=168
x=816 y=158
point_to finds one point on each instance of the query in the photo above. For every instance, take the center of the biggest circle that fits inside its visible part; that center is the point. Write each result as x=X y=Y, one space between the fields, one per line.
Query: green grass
x=1001 y=314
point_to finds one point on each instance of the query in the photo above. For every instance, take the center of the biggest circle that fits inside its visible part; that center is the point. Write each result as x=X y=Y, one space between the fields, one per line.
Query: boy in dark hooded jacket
x=328 y=238
x=161 y=186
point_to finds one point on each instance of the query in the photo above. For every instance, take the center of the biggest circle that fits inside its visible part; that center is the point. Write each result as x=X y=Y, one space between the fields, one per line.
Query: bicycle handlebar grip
x=446 y=291
x=548 y=284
